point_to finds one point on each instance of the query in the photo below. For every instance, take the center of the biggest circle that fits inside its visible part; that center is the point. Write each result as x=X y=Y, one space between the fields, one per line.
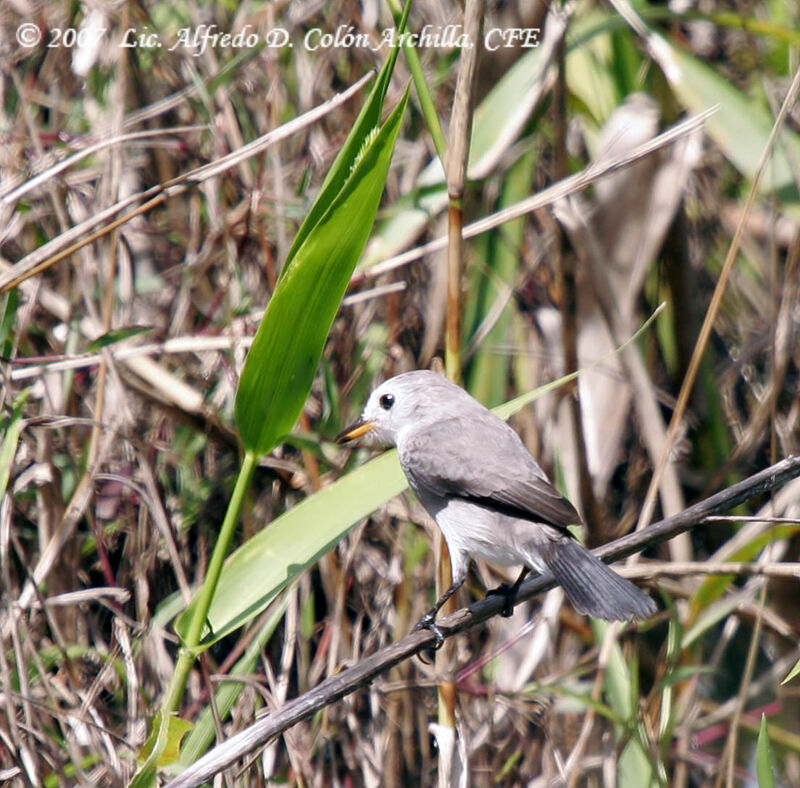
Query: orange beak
x=354 y=431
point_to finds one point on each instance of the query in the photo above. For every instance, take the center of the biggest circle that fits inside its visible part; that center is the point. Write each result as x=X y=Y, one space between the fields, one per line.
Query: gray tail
x=592 y=587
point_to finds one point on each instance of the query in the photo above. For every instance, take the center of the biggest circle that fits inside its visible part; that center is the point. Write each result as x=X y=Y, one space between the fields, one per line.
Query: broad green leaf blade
x=367 y=120
x=256 y=572
x=764 y=772
x=280 y=366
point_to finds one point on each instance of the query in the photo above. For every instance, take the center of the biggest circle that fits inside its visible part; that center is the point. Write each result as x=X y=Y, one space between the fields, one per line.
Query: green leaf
x=116 y=335
x=281 y=364
x=667 y=711
x=681 y=674
x=764 y=771
x=10 y=434
x=487 y=373
x=177 y=728
x=8 y=311
x=793 y=673
x=709 y=617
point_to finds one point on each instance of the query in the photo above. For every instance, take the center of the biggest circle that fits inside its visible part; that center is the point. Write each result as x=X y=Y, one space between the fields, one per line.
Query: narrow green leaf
x=764 y=771
x=487 y=372
x=714 y=587
x=666 y=721
x=116 y=335
x=781 y=25
x=793 y=673
x=280 y=366
x=427 y=106
x=10 y=439
x=681 y=674
x=8 y=311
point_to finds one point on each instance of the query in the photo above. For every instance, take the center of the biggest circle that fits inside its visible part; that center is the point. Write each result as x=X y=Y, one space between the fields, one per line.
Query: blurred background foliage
x=121 y=360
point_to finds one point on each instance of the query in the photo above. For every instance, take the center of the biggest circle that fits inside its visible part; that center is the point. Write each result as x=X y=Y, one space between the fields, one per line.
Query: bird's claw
x=428 y=622
x=509 y=594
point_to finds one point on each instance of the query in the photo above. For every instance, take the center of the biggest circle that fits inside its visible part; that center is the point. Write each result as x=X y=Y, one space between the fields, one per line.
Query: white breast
x=478 y=532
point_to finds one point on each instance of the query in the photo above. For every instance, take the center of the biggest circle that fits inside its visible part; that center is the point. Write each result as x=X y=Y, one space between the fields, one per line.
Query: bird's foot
x=428 y=621
x=509 y=594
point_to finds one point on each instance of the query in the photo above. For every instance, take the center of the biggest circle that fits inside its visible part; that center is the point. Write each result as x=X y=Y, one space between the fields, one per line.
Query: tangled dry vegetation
x=121 y=357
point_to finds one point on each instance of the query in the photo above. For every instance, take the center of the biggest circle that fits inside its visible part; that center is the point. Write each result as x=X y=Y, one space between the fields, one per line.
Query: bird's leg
x=428 y=621
x=509 y=592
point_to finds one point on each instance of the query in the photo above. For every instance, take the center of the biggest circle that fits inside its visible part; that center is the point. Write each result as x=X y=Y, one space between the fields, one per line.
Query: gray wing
x=481 y=458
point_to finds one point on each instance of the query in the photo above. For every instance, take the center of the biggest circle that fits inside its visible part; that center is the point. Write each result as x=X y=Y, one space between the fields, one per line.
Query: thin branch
x=655 y=569
x=359 y=675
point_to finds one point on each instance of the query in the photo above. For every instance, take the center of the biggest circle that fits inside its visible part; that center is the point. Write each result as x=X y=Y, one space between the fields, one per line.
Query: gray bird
x=488 y=496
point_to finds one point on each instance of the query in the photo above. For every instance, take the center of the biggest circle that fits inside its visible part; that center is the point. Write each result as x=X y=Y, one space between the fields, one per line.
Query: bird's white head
x=405 y=402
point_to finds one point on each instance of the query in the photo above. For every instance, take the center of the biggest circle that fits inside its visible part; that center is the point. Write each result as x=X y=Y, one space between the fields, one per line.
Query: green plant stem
x=190 y=648
x=206 y=594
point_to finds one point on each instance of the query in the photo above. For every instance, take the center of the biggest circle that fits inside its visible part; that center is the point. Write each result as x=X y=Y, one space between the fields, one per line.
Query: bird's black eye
x=387 y=400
